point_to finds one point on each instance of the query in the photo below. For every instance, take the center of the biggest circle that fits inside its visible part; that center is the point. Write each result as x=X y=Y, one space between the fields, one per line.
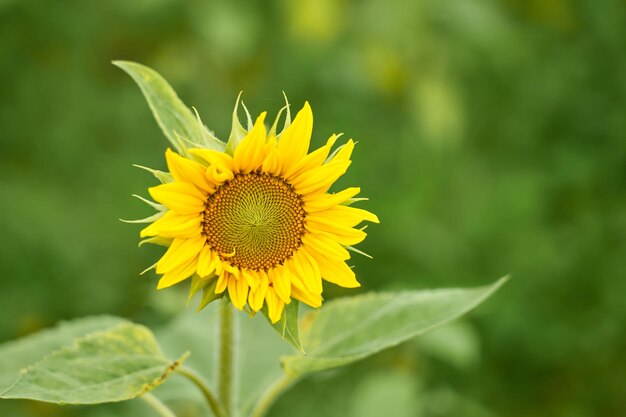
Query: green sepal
x=273 y=129
x=237 y=131
x=156 y=206
x=197 y=284
x=209 y=295
x=149 y=219
x=207 y=285
x=157 y=240
x=287 y=327
x=164 y=177
x=208 y=135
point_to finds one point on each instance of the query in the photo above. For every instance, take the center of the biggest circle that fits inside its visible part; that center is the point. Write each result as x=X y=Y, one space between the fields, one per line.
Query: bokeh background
x=492 y=140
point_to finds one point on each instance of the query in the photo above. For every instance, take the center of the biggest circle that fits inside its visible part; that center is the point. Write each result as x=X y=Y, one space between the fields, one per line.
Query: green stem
x=211 y=399
x=157 y=405
x=226 y=358
x=271 y=394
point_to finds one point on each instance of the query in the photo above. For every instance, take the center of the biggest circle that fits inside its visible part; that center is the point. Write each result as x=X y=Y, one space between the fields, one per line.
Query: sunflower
x=258 y=222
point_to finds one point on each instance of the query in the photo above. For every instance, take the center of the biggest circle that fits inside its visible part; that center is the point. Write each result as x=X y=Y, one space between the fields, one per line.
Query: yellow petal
x=309 y=298
x=252 y=278
x=303 y=265
x=220 y=160
x=312 y=160
x=181 y=197
x=273 y=162
x=173 y=225
x=344 y=153
x=294 y=141
x=346 y=236
x=296 y=282
x=217 y=176
x=207 y=262
x=238 y=291
x=180 y=252
x=222 y=282
x=186 y=170
x=219 y=264
x=230 y=268
x=281 y=281
x=345 y=215
x=251 y=152
x=178 y=275
x=275 y=305
x=338 y=273
x=326 y=245
x=256 y=297
x=319 y=180
x=318 y=202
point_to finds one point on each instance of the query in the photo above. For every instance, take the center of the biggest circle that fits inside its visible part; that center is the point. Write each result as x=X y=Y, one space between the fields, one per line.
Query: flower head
x=257 y=221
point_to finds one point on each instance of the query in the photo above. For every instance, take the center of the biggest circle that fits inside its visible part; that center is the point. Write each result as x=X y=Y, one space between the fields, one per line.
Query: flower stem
x=157 y=405
x=211 y=399
x=271 y=394
x=226 y=358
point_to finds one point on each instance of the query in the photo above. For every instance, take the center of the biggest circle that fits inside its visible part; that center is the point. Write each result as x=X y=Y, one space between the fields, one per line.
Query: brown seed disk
x=254 y=221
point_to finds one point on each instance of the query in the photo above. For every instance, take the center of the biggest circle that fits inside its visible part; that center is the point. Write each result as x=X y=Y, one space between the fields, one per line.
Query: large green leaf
x=179 y=124
x=349 y=329
x=18 y=354
x=106 y=366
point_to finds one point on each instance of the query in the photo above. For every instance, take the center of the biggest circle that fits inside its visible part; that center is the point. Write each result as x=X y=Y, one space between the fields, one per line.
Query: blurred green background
x=492 y=140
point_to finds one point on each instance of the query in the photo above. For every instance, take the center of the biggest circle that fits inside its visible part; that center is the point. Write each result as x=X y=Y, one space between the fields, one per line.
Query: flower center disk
x=254 y=221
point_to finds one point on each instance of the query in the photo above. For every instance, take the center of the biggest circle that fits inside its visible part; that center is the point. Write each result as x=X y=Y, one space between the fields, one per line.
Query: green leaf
x=107 y=366
x=287 y=326
x=456 y=344
x=179 y=124
x=391 y=392
x=20 y=353
x=350 y=329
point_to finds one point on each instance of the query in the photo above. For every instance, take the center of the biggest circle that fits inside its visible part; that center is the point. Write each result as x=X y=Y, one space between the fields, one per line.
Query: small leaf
x=173 y=116
x=18 y=354
x=107 y=366
x=287 y=326
x=350 y=329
